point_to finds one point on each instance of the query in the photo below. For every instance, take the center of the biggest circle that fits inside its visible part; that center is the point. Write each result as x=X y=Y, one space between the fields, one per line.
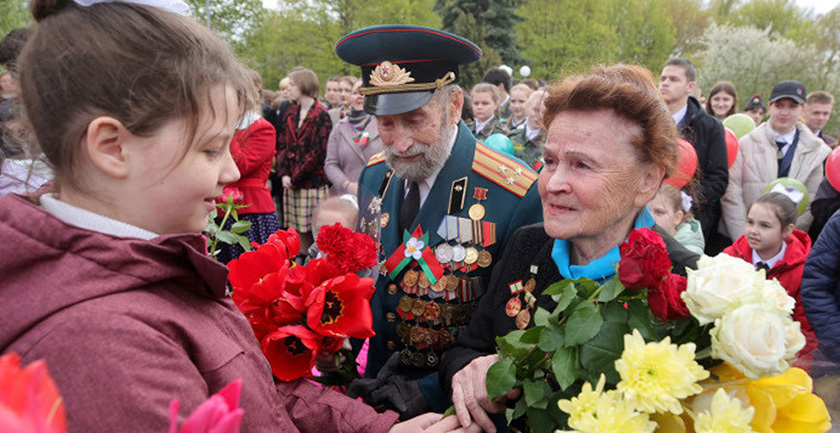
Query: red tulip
x=29 y=399
x=341 y=307
x=218 y=414
x=291 y=351
x=268 y=258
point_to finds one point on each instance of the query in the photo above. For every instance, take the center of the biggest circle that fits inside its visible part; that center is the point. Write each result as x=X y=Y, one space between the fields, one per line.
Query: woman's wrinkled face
x=592 y=184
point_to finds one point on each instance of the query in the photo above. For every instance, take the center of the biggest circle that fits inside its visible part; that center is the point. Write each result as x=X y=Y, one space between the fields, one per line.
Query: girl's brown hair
x=725 y=87
x=783 y=207
x=138 y=64
x=674 y=198
x=630 y=92
x=306 y=81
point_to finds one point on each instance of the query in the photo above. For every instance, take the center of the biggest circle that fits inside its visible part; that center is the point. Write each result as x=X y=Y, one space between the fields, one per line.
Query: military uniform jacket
x=411 y=315
x=494 y=127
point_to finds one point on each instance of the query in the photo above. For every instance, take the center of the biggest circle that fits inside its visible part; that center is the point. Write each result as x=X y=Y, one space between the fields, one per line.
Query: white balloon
x=525 y=71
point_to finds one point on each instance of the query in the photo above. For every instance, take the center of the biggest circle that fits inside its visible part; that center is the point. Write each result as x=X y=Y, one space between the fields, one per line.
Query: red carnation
x=290 y=351
x=346 y=251
x=341 y=307
x=666 y=302
x=644 y=260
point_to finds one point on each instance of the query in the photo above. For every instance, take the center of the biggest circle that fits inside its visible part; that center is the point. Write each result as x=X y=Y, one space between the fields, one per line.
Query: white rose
x=753 y=340
x=719 y=285
x=794 y=338
x=776 y=298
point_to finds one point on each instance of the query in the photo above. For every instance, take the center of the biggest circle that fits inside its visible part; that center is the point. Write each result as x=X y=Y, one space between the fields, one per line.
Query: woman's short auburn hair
x=306 y=81
x=630 y=92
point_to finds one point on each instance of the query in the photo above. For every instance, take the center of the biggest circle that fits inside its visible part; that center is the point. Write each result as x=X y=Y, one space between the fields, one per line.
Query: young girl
x=107 y=277
x=668 y=209
x=771 y=242
x=485 y=100
x=519 y=95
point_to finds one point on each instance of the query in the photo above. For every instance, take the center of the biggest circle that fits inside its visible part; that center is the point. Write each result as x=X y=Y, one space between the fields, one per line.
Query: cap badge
x=799 y=91
x=389 y=74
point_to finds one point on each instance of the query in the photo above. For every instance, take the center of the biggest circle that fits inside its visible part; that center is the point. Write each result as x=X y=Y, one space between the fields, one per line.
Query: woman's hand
x=353 y=188
x=326 y=362
x=469 y=394
x=433 y=423
x=287 y=182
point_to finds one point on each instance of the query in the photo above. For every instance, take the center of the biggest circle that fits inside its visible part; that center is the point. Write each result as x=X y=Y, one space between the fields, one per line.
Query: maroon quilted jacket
x=301 y=151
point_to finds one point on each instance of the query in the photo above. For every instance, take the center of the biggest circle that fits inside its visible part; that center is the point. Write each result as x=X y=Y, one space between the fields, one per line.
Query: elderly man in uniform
x=441 y=203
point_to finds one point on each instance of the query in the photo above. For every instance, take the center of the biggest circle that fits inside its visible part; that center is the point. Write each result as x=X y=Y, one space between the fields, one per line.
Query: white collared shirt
x=680 y=115
x=773 y=260
x=531 y=133
x=787 y=138
x=479 y=126
x=427 y=184
x=92 y=221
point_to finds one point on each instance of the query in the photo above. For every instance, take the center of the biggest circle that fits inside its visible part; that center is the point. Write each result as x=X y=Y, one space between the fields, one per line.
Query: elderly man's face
x=592 y=184
x=417 y=142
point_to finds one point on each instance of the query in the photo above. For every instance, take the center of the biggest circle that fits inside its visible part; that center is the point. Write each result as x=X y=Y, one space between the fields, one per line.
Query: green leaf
x=519 y=409
x=541 y=316
x=213 y=215
x=245 y=243
x=227 y=237
x=641 y=319
x=559 y=287
x=211 y=228
x=611 y=290
x=512 y=345
x=565 y=298
x=599 y=354
x=564 y=366
x=586 y=287
x=583 y=324
x=540 y=420
x=551 y=339
x=534 y=391
x=234 y=214
x=240 y=227
x=501 y=377
x=532 y=336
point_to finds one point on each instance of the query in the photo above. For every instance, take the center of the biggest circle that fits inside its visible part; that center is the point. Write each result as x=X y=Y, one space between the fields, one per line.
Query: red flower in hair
x=341 y=307
x=666 y=301
x=291 y=351
x=644 y=260
x=346 y=251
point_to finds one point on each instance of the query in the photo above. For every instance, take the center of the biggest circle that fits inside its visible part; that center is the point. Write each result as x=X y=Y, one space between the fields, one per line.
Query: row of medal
x=522 y=300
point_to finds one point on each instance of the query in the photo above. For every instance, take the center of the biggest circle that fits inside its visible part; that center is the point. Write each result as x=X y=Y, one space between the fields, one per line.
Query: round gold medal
x=410 y=278
x=471 y=256
x=405 y=303
x=451 y=283
x=529 y=286
x=423 y=280
x=523 y=319
x=439 y=285
x=485 y=259
x=476 y=212
x=418 y=307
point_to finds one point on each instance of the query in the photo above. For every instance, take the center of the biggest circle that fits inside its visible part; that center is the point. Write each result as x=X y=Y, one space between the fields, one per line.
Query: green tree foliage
x=646 y=32
x=782 y=17
x=562 y=37
x=234 y=20
x=690 y=21
x=494 y=21
x=14 y=14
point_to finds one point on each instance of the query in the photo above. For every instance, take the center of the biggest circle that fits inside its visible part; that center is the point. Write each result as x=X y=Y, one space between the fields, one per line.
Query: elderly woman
x=352 y=143
x=610 y=142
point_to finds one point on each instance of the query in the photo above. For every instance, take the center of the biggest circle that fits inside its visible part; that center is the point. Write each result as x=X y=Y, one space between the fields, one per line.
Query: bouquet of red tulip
x=298 y=312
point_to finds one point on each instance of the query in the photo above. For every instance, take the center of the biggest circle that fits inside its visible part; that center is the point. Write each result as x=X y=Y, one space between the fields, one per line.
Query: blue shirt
x=600 y=269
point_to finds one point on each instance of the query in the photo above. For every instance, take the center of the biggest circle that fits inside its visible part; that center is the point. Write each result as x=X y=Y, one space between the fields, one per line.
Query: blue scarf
x=600 y=269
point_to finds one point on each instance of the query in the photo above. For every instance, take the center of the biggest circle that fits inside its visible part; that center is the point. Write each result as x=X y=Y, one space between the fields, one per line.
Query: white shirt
x=773 y=260
x=92 y=221
x=787 y=138
x=680 y=115
x=531 y=133
x=479 y=126
x=427 y=184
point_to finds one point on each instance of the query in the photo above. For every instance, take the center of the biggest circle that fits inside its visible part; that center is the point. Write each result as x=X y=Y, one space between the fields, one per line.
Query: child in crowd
x=772 y=242
x=107 y=277
x=485 y=100
x=519 y=95
x=339 y=209
x=671 y=210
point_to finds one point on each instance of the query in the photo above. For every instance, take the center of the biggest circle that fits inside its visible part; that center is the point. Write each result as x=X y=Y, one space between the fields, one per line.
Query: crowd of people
x=114 y=153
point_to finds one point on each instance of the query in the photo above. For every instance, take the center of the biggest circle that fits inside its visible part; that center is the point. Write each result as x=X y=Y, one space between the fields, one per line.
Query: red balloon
x=686 y=166
x=832 y=168
x=731 y=145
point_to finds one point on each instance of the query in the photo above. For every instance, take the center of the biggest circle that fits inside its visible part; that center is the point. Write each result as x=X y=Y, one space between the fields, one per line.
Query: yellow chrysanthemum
x=783 y=403
x=655 y=376
x=614 y=415
x=584 y=403
x=726 y=416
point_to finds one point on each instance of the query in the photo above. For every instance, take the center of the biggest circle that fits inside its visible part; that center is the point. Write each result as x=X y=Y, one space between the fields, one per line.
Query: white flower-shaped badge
x=414 y=248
